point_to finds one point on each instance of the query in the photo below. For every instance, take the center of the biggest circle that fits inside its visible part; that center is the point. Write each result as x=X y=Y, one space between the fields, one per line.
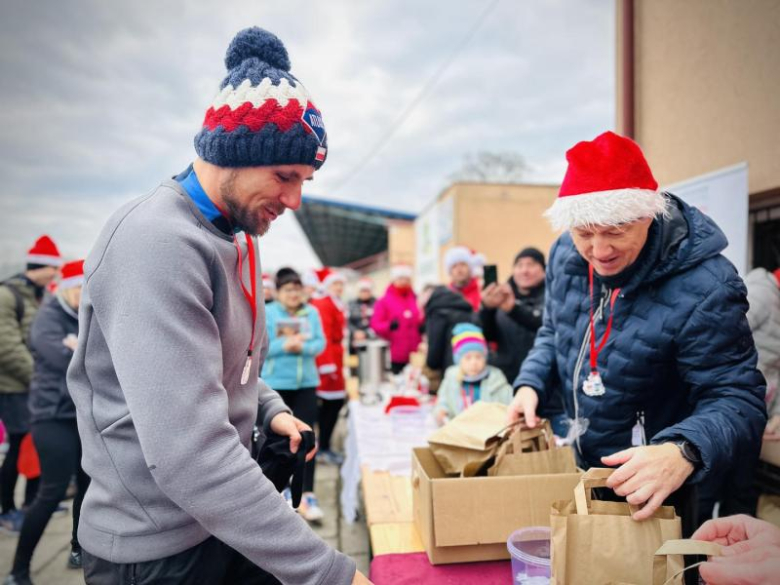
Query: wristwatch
x=689 y=453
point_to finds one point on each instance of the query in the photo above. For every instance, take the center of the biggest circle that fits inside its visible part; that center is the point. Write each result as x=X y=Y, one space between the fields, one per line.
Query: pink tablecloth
x=414 y=568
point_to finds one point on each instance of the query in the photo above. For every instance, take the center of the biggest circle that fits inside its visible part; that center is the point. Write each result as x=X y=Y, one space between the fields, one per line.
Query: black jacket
x=49 y=397
x=444 y=309
x=514 y=332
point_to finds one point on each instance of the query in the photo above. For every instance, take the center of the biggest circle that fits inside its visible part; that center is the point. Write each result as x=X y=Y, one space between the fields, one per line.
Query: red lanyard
x=468 y=399
x=249 y=293
x=594 y=351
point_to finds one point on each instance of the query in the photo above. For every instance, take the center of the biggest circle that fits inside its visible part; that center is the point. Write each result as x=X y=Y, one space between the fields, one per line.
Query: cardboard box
x=770 y=452
x=470 y=519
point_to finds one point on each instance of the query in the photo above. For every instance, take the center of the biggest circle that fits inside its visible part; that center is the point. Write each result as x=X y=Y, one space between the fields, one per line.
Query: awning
x=341 y=233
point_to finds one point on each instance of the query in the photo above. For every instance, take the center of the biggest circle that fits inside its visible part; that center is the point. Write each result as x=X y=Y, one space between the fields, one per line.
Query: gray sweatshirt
x=165 y=422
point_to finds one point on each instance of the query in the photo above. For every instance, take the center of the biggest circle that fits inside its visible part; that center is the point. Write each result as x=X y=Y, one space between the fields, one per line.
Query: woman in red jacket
x=330 y=363
x=397 y=318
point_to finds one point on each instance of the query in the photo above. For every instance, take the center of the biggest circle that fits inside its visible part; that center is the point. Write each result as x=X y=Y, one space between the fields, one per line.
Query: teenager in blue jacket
x=295 y=339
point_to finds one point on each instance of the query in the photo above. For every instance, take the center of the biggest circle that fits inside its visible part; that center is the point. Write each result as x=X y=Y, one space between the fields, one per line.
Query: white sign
x=427 y=244
x=723 y=196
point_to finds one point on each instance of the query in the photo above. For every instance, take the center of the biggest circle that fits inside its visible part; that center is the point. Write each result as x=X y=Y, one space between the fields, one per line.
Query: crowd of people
x=146 y=373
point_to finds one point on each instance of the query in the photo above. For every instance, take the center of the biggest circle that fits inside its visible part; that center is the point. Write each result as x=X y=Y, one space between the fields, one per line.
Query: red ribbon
x=594 y=350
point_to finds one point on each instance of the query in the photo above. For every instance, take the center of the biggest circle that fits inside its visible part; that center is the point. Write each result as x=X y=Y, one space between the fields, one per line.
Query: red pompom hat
x=608 y=182
x=44 y=252
x=71 y=275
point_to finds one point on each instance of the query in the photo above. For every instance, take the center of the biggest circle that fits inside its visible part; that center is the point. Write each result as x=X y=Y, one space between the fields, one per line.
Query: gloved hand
x=394 y=324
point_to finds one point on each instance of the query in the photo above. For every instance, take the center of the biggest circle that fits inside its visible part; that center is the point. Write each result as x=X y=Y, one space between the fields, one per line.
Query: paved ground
x=49 y=562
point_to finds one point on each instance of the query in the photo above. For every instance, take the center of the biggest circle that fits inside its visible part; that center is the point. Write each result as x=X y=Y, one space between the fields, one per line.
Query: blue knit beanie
x=262 y=115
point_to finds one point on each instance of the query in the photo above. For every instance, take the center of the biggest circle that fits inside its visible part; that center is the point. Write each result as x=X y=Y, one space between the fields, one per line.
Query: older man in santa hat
x=645 y=325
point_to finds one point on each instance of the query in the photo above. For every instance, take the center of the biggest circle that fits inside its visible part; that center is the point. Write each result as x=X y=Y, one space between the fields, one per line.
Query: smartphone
x=490 y=274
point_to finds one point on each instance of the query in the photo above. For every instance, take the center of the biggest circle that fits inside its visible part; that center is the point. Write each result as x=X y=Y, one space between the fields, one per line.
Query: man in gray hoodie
x=165 y=376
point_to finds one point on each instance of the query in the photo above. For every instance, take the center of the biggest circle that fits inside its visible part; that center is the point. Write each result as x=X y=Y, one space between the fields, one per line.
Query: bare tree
x=491 y=167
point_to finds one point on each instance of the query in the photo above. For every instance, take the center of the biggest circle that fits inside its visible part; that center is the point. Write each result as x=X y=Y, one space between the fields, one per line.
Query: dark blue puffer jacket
x=680 y=349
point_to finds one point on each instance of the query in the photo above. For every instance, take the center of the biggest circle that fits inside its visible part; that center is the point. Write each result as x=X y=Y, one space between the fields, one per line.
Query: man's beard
x=242 y=217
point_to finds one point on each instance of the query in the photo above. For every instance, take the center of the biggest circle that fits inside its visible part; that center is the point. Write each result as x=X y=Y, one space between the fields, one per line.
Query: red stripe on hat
x=270 y=112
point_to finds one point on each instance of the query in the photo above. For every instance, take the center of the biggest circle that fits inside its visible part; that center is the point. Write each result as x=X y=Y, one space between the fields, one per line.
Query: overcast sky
x=101 y=99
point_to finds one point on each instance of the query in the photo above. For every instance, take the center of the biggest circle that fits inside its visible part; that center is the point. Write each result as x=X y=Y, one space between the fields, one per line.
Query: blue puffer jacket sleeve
x=718 y=364
x=538 y=367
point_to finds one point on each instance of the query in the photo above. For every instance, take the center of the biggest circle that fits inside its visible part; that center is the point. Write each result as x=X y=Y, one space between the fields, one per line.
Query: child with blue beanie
x=471 y=378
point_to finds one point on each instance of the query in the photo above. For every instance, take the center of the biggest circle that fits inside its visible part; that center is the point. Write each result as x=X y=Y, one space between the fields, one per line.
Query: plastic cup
x=530 y=552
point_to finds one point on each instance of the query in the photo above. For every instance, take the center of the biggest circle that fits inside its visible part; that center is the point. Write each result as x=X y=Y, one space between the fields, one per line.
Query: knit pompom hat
x=608 y=182
x=262 y=114
x=465 y=338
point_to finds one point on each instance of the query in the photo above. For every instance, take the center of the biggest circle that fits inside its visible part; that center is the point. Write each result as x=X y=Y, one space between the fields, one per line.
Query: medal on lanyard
x=251 y=297
x=594 y=386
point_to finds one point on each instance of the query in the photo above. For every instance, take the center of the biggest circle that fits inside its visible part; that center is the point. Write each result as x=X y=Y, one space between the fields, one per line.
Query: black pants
x=211 y=562
x=9 y=474
x=303 y=403
x=329 y=416
x=59 y=450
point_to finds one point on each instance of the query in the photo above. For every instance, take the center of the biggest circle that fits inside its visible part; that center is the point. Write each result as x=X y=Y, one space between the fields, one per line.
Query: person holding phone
x=511 y=312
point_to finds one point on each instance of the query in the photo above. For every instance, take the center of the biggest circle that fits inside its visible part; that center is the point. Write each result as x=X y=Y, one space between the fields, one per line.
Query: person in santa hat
x=330 y=363
x=645 y=325
x=269 y=288
x=360 y=311
x=53 y=339
x=20 y=297
x=397 y=317
x=461 y=265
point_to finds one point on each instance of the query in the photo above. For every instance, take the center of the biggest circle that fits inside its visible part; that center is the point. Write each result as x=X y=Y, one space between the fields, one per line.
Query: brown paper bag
x=532 y=452
x=472 y=437
x=595 y=542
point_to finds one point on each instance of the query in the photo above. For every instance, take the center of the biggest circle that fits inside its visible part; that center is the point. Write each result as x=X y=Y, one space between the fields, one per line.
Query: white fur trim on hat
x=605 y=208
x=44 y=260
x=455 y=256
x=365 y=284
x=333 y=277
x=71 y=282
x=401 y=271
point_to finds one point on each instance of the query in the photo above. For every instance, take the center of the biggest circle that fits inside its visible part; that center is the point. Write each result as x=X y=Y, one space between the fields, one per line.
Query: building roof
x=342 y=233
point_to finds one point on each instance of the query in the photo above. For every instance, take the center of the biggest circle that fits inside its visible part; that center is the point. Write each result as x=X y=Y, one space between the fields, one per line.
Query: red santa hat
x=608 y=182
x=401 y=271
x=268 y=281
x=328 y=276
x=44 y=252
x=71 y=275
x=365 y=283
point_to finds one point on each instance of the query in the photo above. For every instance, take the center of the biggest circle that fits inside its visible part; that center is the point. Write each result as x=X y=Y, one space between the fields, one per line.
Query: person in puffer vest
x=645 y=324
